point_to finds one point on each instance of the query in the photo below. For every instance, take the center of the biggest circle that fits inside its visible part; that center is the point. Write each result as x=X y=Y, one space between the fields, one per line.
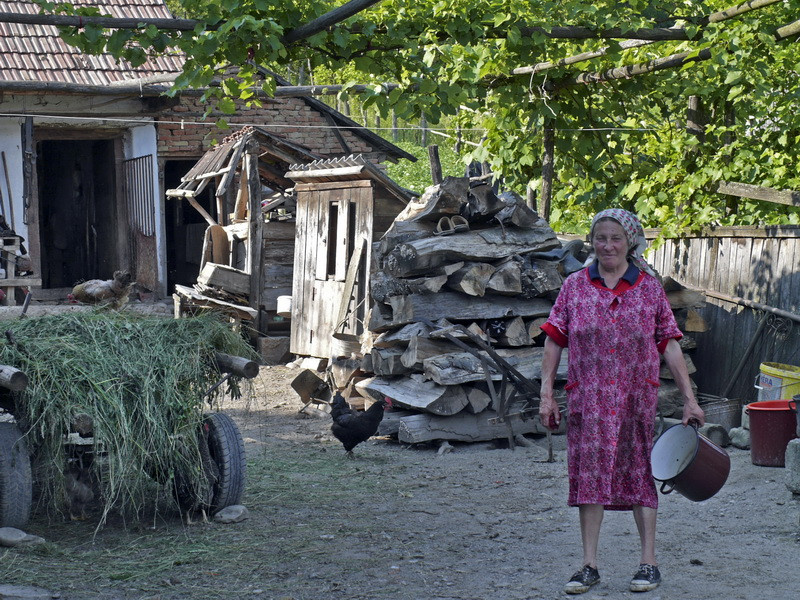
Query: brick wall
x=179 y=137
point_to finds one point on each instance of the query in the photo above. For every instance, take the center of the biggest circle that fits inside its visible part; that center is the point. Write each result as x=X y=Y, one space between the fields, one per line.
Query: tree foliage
x=623 y=142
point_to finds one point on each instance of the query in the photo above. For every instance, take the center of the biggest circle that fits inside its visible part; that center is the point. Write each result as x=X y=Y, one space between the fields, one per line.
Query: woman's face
x=610 y=244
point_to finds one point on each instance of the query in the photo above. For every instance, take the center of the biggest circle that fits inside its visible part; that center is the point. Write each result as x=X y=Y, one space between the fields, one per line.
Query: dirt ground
x=408 y=523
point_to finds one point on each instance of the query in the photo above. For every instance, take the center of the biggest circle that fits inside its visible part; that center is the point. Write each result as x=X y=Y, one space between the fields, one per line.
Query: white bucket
x=284 y=306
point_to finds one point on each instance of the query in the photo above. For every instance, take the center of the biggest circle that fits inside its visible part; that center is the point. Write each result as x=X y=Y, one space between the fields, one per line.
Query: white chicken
x=113 y=292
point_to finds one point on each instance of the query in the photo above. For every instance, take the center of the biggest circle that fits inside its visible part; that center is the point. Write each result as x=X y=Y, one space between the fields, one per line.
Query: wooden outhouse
x=343 y=206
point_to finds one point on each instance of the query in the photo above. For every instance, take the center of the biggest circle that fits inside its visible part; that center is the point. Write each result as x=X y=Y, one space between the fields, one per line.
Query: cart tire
x=226 y=447
x=223 y=463
x=16 y=480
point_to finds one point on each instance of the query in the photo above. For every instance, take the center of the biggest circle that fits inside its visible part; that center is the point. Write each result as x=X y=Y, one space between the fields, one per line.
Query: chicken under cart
x=520 y=402
x=221 y=451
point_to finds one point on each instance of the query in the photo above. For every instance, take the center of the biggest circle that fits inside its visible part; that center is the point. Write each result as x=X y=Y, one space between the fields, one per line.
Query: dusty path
x=403 y=523
x=480 y=522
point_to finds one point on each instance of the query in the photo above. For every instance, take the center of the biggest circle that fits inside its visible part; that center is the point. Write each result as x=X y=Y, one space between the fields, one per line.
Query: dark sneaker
x=582 y=580
x=646 y=578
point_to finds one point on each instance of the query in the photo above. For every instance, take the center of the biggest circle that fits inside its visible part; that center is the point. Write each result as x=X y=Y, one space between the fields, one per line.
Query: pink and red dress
x=615 y=338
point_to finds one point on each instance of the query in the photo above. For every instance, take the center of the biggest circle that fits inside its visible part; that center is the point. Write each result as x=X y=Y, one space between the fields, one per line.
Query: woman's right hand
x=549 y=414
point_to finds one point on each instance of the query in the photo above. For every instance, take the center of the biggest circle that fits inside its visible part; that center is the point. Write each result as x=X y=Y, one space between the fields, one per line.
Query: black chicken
x=351 y=427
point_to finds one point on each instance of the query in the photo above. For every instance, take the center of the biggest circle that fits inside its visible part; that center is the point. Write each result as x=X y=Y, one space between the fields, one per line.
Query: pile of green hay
x=143 y=382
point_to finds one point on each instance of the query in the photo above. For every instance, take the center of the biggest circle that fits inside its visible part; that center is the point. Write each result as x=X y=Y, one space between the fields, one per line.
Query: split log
x=690 y=320
x=540 y=278
x=519 y=215
x=422 y=256
x=380 y=317
x=686 y=298
x=478 y=399
x=12 y=378
x=343 y=370
x=534 y=327
x=421 y=348
x=383 y=286
x=463 y=427
x=403 y=231
x=437 y=201
x=506 y=279
x=516 y=334
x=687 y=343
x=462 y=367
x=401 y=337
x=416 y=393
x=388 y=361
x=471 y=279
x=229 y=279
x=390 y=424
x=482 y=203
x=417 y=307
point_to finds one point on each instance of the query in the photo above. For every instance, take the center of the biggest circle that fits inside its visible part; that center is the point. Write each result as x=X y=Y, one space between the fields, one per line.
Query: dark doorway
x=185 y=226
x=78 y=211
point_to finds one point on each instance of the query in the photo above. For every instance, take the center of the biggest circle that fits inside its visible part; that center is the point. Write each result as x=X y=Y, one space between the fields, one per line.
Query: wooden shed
x=343 y=206
x=240 y=189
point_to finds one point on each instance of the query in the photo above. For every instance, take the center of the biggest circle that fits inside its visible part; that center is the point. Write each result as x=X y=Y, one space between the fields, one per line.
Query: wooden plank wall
x=277 y=262
x=757 y=264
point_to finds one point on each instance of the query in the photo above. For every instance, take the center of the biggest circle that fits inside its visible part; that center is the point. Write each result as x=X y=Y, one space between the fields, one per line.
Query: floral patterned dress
x=614 y=339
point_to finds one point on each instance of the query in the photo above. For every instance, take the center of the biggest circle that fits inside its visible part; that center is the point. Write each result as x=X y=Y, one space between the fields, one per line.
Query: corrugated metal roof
x=37 y=53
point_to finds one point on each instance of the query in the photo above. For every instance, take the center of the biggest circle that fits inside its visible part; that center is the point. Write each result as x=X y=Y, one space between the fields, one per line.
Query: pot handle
x=664 y=486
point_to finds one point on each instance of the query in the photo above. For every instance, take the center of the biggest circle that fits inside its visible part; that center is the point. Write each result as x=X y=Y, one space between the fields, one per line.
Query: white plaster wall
x=11 y=145
x=140 y=141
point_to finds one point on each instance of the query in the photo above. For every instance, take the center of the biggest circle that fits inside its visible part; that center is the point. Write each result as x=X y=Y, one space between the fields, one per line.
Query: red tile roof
x=37 y=53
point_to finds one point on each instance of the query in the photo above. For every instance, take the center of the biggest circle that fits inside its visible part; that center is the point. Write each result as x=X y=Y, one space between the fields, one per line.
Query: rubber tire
x=226 y=446
x=16 y=479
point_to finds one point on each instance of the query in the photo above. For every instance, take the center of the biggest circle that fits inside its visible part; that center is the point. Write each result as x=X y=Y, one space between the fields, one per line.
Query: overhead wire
x=212 y=123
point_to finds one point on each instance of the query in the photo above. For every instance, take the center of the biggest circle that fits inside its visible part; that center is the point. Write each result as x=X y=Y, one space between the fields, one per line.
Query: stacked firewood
x=464 y=265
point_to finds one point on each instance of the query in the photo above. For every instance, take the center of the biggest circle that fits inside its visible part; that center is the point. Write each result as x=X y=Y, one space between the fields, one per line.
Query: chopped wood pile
x=464 y=255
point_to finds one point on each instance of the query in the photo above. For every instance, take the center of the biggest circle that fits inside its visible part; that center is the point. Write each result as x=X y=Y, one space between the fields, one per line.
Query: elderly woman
x=616 y=319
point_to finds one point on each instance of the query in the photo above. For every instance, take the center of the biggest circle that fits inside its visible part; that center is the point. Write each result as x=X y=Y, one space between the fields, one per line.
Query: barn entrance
x=78 y=211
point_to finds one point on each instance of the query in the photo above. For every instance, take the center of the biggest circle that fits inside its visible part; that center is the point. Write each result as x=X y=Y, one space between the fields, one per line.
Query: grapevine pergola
x=675 y=149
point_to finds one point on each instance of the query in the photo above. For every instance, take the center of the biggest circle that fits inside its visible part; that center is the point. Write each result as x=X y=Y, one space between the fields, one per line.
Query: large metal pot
x=689 y=463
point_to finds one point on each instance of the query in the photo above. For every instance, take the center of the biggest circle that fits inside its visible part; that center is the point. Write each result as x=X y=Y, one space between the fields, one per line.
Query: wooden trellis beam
x=659 y=64
x=717 y=17
x=302 y=32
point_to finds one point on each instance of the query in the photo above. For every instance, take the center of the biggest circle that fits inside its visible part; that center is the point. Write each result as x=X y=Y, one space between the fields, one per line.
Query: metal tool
x=529 y=391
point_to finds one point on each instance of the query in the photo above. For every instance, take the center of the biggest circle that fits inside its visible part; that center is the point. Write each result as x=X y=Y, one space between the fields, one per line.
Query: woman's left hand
x=693 y=412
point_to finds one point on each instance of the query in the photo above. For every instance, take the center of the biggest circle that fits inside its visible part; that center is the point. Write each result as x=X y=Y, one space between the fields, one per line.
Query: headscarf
x=634 y=231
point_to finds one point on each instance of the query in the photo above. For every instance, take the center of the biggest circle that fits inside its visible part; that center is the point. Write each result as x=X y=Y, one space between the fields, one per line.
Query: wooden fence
x=739 y=267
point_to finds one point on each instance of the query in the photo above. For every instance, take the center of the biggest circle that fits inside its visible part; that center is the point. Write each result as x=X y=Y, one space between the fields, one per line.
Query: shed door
x=332 y=218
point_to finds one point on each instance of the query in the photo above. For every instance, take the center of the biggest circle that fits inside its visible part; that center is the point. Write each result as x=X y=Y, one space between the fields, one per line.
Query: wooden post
x=395 y=132
x=530 y=196
x=436 y=164
x=423 y=124
x=254 y=221
x=547 y=168
x=695 y=123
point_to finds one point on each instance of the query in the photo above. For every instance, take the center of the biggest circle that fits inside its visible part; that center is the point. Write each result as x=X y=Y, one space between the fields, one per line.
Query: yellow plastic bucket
x=777 y=382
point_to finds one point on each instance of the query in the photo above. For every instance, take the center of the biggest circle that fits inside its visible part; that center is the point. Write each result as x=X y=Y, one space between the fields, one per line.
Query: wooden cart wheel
x=16 y=481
